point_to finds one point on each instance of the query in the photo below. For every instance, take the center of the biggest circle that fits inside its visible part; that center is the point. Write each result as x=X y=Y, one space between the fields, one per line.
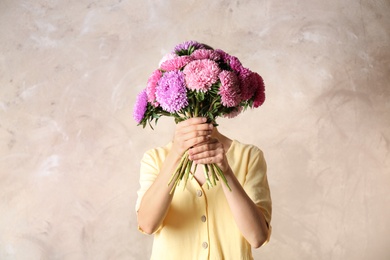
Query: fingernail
x=204 y=119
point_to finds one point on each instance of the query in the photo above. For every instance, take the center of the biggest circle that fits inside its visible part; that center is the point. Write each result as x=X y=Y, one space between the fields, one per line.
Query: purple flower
x=140 y=106
x=186 y=45
x=171 y=92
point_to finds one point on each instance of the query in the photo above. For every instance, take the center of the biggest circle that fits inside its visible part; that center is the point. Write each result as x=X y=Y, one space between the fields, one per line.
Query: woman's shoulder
x=241 y=147
x=158 y=152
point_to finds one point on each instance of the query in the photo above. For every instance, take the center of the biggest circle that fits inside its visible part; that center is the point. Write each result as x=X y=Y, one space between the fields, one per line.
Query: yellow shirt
x=199 y=224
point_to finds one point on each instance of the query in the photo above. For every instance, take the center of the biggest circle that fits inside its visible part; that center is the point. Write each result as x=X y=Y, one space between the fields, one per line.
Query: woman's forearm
x=249 y=219
x=156 y=201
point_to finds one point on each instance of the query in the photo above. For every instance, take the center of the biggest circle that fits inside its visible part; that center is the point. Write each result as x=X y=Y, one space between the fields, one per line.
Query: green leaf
x=200 y=96
x=191 y=50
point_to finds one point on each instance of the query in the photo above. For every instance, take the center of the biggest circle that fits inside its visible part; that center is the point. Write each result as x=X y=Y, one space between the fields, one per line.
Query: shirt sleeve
x=148 y=172
x=150 y=167
x=256 y=184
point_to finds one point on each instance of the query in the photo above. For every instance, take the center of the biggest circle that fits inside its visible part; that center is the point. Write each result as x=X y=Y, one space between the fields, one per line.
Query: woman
x=200 y=223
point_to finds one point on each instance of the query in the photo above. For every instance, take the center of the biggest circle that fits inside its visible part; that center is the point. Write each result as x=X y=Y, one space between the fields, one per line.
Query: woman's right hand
x=189 y=133
x=157 y=199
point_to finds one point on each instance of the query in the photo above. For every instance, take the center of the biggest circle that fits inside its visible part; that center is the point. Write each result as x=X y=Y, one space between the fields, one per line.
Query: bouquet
x=195 y=80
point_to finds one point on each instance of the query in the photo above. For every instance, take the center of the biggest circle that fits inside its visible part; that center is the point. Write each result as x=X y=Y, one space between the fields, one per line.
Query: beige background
x=70 y=150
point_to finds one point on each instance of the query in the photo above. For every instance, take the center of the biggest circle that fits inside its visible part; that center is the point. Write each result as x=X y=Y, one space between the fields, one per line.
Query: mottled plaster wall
x=70 y=151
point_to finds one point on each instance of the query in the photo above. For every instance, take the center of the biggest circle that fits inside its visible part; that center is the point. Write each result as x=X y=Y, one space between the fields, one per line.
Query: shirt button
x=199 y=193
x=205 y=245
x=203 y=218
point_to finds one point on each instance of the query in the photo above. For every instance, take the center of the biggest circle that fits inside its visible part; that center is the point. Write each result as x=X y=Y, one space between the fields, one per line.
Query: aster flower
x=260 y=91
x=233 y=62
x=171 y=92
x=200 y=75
x=151 y=87
x=168 y=56
x=247 y=84
x=186 y=48
x=140 y=106
x=229 y=89
x=176 y=63
x=206 y=54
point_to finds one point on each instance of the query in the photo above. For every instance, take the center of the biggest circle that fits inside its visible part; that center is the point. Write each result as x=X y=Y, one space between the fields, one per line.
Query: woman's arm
x=249 y=218
x=156 y=201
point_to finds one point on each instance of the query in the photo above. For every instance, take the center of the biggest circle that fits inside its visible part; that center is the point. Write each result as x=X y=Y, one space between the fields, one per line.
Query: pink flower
x=206 y=54
x=176 y=63
x=229 y=89
x=201 y=74
x=247 y=84
x=232 y=61
x=235 y=64
x=168 y=56
x=151 y=87
x=260 y=91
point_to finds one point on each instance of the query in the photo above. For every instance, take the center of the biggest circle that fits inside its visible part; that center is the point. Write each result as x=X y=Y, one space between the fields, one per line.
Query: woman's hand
x=190 y=133
x=157 y=199
x=248 y=217
x=208 y=152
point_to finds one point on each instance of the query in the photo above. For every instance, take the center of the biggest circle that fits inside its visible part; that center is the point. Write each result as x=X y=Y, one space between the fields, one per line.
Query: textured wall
x=70 y=151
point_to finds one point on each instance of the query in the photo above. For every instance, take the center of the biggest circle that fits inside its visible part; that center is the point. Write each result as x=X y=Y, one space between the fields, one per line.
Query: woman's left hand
x=208 y=152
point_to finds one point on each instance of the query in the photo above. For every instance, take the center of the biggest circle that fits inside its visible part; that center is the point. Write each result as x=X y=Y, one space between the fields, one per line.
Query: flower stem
x=206 y=175
x=213 y=175
x=220 y=173
x=179 y=172
x=183 y=170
